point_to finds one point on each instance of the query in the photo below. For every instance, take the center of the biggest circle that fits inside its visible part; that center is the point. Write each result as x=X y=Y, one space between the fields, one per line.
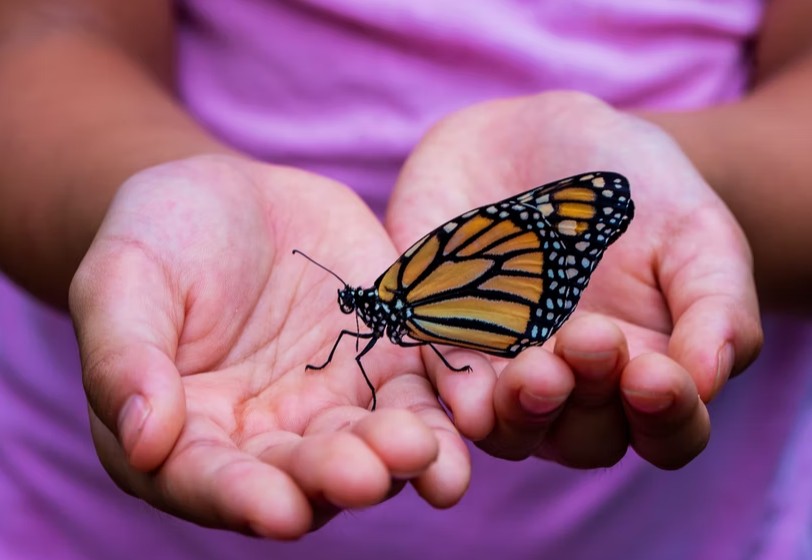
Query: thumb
x=120 y=307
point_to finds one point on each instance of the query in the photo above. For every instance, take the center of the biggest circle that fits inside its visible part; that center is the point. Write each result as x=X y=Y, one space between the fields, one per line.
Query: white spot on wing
x=413 y=249
x=567 y=227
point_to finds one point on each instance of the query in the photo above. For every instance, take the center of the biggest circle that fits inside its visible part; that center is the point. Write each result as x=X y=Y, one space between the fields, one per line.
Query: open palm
x=195 y=324
x=675 y=293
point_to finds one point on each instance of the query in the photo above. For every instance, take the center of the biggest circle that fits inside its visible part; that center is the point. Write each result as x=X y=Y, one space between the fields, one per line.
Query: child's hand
x=675 y=292
x=195 y=324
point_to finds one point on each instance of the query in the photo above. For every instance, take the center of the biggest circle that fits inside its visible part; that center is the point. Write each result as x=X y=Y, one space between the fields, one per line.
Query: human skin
x=669 y=315
x=191 y=298
x=98 y=70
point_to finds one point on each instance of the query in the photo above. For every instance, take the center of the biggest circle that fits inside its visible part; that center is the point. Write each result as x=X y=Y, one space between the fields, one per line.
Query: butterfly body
x=498 y=278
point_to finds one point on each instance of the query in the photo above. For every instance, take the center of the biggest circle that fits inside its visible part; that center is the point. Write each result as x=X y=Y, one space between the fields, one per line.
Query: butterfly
x=499 y=278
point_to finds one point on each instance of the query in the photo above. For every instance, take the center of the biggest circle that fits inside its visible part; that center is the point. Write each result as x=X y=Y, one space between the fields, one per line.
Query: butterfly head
x=346 y=299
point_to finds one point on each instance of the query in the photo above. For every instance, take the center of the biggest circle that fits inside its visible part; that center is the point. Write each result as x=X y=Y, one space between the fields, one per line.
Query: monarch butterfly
x=497 y=279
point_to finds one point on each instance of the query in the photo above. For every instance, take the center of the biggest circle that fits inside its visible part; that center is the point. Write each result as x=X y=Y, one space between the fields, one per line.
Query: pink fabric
x=346 y=88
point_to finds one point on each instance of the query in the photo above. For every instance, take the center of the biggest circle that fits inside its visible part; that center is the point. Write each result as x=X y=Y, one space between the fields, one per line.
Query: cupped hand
x=670 y=312
x=195 y=323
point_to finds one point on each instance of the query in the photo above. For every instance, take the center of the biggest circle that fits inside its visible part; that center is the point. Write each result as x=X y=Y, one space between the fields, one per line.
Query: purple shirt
x=346 y=89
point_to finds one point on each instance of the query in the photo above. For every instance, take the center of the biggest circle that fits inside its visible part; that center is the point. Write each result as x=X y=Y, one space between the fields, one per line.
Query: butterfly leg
x=357 y=335
x=366 y=349
x=465 y=368
x=430 y=345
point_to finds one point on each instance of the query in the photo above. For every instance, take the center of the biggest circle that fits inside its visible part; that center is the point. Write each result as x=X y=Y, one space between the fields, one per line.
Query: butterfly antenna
x=321 y=266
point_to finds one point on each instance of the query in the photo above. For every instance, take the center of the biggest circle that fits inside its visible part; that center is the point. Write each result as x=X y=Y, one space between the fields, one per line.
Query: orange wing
x=506 y=276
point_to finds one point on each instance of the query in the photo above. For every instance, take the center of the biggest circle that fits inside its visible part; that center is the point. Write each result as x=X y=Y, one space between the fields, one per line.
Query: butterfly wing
x=506 y=276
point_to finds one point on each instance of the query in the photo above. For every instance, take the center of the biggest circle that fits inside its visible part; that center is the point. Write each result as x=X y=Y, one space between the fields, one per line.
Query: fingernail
x=537 y=405
x=724 y=365
x=131 y=421
x=649 y=403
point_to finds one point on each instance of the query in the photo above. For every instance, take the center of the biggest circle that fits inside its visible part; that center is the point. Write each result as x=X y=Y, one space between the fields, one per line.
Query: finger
x=591 y=431
x=119 y=310
x=528 y=397
x=337 y=468
x=712 y=297
x=669 y=423
x=442 y=482
x=114 y=459
x=467 y=394
x=404 y=444
x=413 y=437
x=445 y=481
x=214 y=484
x=347 y=456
